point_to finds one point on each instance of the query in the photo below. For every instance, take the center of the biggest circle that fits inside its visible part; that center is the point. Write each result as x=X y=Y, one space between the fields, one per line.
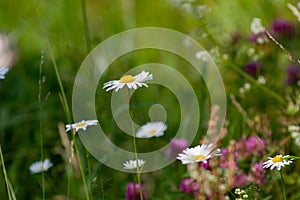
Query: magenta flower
x=255 y=145
x=176 y=146
x=241 y=180
x=292 y=74
x=283 y=28
x=258 y=173
x=133 y=191
x=189 y=185
x=205 y=165
x=253 y=68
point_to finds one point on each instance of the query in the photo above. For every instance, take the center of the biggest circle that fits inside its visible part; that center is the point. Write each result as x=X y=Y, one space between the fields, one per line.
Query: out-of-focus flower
x=283 y=28
x=151 y=129
x=132 y=82
x=292 y=74
x=261 y=80
x=295 y=133
x=240 y=194
x=7 y=52
x=253 y=68
x=256 y=26
x=225 y=162
x=203 y=55
x=133 y=191
x=277 y=161
x=81 y=125
x=205 y=164
x=189 y=185
x=241 y=180
x=40 y=166
x=258 y=173
x=255 y=144
x=199 y=153
x=131 y=164
x=3 y=71
x=177 y=145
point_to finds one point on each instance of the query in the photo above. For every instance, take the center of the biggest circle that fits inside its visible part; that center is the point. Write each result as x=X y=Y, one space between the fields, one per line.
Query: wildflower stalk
x=282 y=185
x=5 y=175
x=41 y=122
x=138 y=171
x=69 y=119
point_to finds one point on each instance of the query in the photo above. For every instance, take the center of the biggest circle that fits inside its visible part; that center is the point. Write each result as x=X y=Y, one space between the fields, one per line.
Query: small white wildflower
x=241 y=90
x=131 y=164
x=202 y=55
x=277 y=161
x=256 y=26
x=247 y=86
x=261 y=80
x=40 y=166
x=151 y=129
x=81 y=125
x=293 y=128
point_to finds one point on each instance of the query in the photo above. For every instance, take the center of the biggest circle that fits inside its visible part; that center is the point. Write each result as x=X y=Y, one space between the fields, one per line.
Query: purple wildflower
x=176 y=147
x=189 y=185
x=133 y=191
x=253 y=68
x=283 y=28
x=293 y=74
x=258 y=173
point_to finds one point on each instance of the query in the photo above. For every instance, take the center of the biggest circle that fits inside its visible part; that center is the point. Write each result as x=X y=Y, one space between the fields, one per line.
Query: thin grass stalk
x=41 y=121
x=69 y=118
x=5 y=175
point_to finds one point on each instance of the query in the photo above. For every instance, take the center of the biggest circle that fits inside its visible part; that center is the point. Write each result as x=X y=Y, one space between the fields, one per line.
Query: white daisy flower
x=277 y=161
x=3 y=71
x=131 y=164
x=151 y=129
x=199 y=153
x=132 y=82
x=81 y=125
x=256 y=26
x=40 y=166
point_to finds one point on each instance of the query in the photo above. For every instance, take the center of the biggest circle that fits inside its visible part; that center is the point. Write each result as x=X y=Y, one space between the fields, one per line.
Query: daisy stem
x=282 y=185
x=138 y=172
x=5 y=175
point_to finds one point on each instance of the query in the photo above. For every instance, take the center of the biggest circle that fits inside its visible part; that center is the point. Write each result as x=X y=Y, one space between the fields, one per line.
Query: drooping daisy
x=3 y=71
x=132 y=82
x=131 y=164
x=40 y=166
x=81 y=125
x=277 y=161
x=151 y=129
x=199 y=153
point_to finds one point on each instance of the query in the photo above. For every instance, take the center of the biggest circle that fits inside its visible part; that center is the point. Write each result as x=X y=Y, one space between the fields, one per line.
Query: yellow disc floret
x=277 y=159
x=127 y=79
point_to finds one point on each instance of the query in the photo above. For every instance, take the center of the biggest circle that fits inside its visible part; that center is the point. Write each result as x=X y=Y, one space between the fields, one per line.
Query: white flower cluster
x=295 y=133
x=241 y=194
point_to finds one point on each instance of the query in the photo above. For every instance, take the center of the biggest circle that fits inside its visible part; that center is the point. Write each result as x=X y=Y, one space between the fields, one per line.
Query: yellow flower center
x=80 y=124
x=277 y=159
x=127 y=79
x=200 y=157
x=152 y=131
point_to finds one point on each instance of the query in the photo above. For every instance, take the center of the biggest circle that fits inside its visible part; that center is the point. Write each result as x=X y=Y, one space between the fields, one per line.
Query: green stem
x=282 y=185
x=138 y=172
x=68 y=116
x=41 y=122
x=86 y=25
x=5 y=175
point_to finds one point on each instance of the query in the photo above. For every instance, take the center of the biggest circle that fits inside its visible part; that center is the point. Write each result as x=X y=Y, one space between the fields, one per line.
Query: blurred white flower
x=131 y=164
x=81 y=125
x=261 y=80
x=202 y=55
x=132 y=82
x=40 y=166
x=3 y=71
x=199 y=153
x=256 y=26
x=277 y=161
x=151 y=129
